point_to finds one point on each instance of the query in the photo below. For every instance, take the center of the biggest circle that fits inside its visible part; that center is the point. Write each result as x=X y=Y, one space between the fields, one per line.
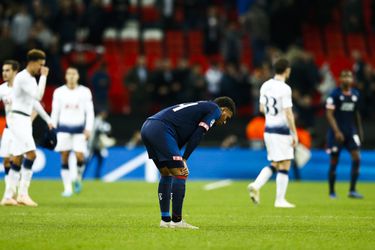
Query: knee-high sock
x=354 y=174
x=26 y=175
x=178 y=195
x=164 y=195
x=65 y=176
x=13 y=179
x=264 y=176
x=6 y=178
x=80 y=169
x=332 y=174
x=282 y=180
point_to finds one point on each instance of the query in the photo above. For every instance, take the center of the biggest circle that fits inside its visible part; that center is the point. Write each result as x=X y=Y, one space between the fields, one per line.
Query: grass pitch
x=125 y=215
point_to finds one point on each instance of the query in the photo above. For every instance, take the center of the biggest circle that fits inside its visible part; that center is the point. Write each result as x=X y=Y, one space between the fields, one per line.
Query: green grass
x=125 y=215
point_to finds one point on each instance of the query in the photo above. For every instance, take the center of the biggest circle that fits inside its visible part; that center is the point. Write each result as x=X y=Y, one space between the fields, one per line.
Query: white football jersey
x=73 y=107
x=6 y=97
x=25 y=92
x=275 y=96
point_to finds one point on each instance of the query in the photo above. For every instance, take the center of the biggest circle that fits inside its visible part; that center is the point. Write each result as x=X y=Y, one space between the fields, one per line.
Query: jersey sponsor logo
x=347 y=106
x=204 y=125
x=177 y=158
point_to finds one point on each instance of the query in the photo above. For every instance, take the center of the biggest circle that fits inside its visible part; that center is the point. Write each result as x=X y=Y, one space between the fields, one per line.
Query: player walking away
x=345 y=125
x=165 y=133
x=73 y=116
x=9 y=71
x=280 y=134
x=25 y=91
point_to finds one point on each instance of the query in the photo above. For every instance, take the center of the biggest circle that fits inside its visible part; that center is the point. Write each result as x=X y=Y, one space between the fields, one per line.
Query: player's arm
x=286 y=102
x=193 y=142
x=292 y=126
x=330 y=110
x=43 y=114
x=358 y=120
x=261 y=109
x=90 y=117
x=205 y=124
x=55 y=109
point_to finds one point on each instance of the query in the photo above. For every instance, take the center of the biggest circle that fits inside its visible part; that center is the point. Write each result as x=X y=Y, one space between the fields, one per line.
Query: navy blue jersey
x=345 y=105
x=187 y=117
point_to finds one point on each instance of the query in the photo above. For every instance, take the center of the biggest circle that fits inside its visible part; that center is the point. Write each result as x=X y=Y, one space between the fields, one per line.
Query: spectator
x=232 y=44
x=212 y=32
x=137 y=81
x=179 y=86
x=66 y=22
x=352 y=16
x=42 y=34
x=257 y=24
x=213 y=78
x=21 y=26
x=95 y=20
x=196 y=85
x=7 y=46
x=101 y=83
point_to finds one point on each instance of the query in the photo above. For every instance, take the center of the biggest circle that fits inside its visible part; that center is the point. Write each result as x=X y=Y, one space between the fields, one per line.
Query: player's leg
x=8 y=199
x=356 y=158
x=254 y=187
x=65 y=174
x=26 y=176
x=333 y=161
x=64 y=147
x=180 y=176
x=265 y=174
x=14 y=175
x=80 y=148
x=282 y=179
x=164 y=195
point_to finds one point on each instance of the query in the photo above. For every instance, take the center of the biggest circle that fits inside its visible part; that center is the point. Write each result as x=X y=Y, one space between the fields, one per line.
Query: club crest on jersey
x=212 y=122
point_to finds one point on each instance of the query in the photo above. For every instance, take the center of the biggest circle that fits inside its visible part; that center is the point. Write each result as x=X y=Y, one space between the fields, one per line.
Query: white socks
x=67 y=180
x=13 y=182
x=282 y=180
x=263 y=177
x=26 y=175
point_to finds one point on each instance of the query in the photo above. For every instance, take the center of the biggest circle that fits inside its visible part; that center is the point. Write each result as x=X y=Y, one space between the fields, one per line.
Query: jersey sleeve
x=209 y=119
x=286 y=99
x=331 y=102
x=55 y=108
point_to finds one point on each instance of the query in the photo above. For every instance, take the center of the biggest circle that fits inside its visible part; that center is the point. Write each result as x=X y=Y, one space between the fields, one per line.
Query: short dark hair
x=281 y=65
x=15 y=65
x=35 y=55
x=225 y=101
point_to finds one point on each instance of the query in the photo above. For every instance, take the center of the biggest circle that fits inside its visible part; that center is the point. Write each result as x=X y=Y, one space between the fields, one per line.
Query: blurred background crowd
x=138 y=56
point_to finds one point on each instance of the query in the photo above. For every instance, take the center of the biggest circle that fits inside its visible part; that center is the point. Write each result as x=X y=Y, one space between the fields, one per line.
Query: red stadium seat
x=356 y=42
x=175 y=43
x=195 y=43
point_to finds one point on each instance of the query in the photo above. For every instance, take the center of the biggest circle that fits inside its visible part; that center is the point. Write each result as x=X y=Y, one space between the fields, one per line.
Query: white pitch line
x=126 y=168
x=218 y=184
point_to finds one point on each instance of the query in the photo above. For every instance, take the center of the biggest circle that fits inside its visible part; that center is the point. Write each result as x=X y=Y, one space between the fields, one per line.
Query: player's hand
x=294 y=140
x=44 y=71
x=339 y=137
x=50 y=126
x=87 y=134
x=185 y=171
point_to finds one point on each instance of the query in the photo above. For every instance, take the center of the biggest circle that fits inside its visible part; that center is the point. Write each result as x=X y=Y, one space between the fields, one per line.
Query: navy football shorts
x=350 y=143
x=161 y=145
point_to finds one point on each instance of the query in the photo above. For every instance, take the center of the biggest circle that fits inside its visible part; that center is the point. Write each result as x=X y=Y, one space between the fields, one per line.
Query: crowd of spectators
x=60 y=26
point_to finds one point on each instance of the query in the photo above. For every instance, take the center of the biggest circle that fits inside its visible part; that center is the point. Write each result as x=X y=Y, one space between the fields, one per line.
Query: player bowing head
x=165 y=133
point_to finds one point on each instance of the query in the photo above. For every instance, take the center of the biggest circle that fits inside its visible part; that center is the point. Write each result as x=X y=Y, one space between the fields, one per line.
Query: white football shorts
x=6 y=141
x=22 y=134
x=71 y=142
x=279 y=147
